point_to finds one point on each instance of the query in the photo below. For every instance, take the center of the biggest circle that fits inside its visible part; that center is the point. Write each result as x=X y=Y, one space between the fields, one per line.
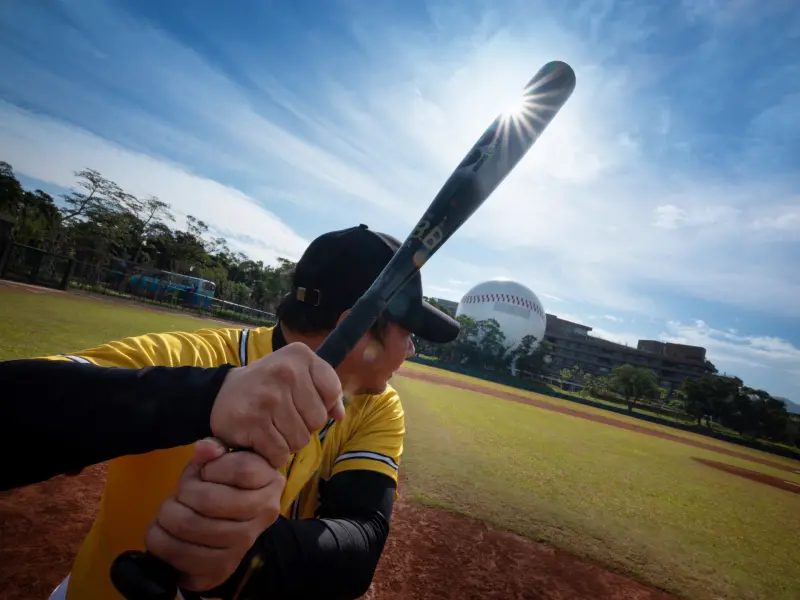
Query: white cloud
x=618 y=200
x=783 y=220
x=768 y=362
x=732 y=348
x=670 y=216
x=248 y=226
x=575 y=219
x=549 y=296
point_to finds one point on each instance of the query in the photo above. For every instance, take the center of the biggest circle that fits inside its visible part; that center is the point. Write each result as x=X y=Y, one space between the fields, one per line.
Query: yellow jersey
x=369 y=437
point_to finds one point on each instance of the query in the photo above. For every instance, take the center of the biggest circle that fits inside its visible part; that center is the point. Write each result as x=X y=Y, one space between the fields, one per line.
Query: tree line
x=99 y=223
x=710 y=400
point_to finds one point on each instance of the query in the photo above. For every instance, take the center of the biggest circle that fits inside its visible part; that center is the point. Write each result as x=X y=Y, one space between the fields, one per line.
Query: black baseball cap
x=338 y=267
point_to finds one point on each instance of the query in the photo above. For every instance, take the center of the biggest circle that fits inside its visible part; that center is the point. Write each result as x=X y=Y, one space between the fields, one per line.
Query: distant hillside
x=792 y=407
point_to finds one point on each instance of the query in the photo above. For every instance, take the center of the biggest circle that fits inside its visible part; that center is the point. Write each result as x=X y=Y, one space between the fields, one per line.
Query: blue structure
x=188 y=290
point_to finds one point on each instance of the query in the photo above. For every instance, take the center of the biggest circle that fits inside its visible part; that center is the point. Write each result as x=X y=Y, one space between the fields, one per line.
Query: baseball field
x=504 y=494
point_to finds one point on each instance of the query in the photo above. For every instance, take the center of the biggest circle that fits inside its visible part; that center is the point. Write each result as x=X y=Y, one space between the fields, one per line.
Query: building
x=450 y=305
x=573 y=346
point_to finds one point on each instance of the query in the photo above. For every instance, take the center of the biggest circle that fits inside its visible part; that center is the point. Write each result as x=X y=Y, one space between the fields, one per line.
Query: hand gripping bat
x=142 y=576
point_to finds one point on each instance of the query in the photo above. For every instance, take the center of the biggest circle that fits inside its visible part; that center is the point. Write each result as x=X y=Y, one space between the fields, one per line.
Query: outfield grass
x=634 y=502
x=48 y=323
x=555 y=401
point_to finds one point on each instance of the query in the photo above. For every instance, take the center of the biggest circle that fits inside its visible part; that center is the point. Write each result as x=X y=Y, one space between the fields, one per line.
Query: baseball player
x=197 y=506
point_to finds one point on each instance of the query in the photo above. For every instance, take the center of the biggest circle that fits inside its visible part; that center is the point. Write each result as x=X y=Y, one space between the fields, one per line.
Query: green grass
x=47 y=323
x=490 y=385
x=633 y=502
x=638 y=407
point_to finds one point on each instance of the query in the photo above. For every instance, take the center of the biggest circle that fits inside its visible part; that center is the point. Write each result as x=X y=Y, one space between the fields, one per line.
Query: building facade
x=449 y=305
x=573 y=346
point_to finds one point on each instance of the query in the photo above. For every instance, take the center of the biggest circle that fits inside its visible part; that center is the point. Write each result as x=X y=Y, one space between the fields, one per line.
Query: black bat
x=141 y=576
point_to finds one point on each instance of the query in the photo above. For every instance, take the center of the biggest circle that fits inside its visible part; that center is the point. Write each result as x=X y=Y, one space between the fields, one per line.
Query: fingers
x=220 y=508
x=202 y=567
x=285 y=414
x=207 y=450
x=244 y=470
x=275 y=404
x=269 y=443
x=188 y=525
x=328 y=387
x=309 y=403
x=221 y=501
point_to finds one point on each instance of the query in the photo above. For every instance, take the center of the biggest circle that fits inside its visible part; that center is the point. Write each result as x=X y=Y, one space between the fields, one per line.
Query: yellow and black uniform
x=141 y=402
x=370 y=438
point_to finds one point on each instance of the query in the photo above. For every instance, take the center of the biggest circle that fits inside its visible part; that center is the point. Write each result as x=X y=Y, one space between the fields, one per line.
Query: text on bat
x=430 y=237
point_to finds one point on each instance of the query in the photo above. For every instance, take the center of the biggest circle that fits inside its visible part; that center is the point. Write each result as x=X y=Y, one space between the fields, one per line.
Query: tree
x=100 y=195
x=146 y=213
x=712 y=397
x=757 y=413
x=591 y=384
x=10 y=190
x=459 y=350
x=37 y=216
x=445 y=309
x=483 y=345
x=527 y=357
x=633 y=383
x=566 y=375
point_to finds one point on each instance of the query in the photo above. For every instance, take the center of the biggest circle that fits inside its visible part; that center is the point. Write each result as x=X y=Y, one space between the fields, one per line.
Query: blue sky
x=663 y=202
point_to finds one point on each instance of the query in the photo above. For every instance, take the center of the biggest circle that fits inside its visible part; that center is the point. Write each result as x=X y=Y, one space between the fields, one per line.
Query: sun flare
x=516 y=108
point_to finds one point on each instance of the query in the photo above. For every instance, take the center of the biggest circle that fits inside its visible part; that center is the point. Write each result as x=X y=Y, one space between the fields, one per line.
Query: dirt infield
x=752 y=475
x=445 y=380
x=431 y=554
x=27 y=287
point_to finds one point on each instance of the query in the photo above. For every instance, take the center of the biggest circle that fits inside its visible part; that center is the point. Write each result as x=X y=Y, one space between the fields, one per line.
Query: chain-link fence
x=32 y=265
x=125 y=281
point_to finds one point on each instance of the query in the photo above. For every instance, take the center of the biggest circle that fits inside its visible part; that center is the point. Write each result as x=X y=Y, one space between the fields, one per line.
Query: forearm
x=333 y=557
x=64 y=416
x=315 y=558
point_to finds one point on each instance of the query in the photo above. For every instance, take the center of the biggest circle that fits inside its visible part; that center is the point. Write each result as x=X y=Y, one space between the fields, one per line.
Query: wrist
x=217 y=414
x=243 y=577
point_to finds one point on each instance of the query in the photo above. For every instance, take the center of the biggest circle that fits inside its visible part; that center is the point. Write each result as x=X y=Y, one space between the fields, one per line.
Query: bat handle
x=142 y=576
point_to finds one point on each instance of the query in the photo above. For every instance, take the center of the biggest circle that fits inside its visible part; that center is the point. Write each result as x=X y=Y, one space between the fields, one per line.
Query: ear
x=366 y=337
x=342 y=316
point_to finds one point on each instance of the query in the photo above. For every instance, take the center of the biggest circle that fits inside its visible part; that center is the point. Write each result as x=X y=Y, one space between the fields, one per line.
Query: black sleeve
x=64 y=416
x=332 y=557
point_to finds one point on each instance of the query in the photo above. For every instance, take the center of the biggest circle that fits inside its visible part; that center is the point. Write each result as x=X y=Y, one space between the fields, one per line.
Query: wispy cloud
x=249 y=227
x=777 y=357
x=670 y=168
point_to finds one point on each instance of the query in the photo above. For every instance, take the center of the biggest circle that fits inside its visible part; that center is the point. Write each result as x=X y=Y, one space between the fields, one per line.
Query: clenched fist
x=223 y=502
x=276 y=403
